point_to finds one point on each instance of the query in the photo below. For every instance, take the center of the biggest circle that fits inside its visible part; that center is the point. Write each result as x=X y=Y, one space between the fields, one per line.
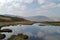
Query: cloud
x=17 y=8
x=51 y=5
x=41 y=1
x=58 y=5
x=9 y=0
x=20 y=7
x=14 y=7
x=47 y=9
x=27 y=1
x=1 y=1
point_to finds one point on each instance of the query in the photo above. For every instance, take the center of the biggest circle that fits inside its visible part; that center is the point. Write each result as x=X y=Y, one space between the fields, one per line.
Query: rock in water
x=18 y=37
x=2 y=36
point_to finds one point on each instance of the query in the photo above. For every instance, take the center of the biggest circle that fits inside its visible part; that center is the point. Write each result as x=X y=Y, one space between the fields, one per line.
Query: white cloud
x=17 y=10
x=50 y=5
x=1 y=1
x=13 y=7
x=9 y=0
x=1 y=5
x=16 y=7
x=46 y=9
x=41 y=1
x=58 y=5
x=27 y=1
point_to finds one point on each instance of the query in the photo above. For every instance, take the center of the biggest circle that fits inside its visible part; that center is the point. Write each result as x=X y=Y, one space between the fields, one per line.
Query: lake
x=35 y=32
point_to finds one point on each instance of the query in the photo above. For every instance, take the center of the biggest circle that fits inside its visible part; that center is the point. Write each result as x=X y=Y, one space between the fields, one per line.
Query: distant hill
x=56 y=18
x=10 y=18
x=39 y=18
x=12 y=15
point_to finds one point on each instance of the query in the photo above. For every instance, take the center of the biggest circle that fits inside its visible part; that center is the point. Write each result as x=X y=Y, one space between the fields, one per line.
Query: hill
x=39 y=18
x=8 y=20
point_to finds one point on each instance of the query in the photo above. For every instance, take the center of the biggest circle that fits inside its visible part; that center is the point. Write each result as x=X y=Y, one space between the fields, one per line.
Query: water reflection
x=36 y=32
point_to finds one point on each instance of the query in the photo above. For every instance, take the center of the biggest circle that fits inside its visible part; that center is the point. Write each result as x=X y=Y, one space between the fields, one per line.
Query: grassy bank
x=9 y=20
x=15 y=23
x=51 y=23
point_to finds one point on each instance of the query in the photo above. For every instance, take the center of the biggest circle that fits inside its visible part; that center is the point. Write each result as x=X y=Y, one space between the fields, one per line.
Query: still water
x=35 y=32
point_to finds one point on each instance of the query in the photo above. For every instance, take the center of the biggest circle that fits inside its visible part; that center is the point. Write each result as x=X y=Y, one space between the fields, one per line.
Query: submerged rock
x=18 y=37
x=6 y=30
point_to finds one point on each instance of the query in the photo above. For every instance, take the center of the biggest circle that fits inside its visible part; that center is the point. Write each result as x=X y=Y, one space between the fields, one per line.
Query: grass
x=16 y=23
x=51 y=23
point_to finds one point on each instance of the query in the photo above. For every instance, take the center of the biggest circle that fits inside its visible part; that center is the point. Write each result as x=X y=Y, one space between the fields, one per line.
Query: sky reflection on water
x=36 y=32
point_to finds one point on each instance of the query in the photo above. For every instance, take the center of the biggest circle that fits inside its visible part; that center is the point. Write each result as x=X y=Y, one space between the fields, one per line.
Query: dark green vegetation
x=2 y=36
x=18 y=37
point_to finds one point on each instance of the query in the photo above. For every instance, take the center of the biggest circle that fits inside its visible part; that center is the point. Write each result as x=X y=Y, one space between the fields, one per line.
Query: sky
x=25 y=8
